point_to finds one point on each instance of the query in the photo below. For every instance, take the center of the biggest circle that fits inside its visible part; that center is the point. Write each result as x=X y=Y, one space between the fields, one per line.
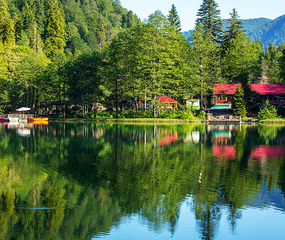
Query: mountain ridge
x=264 y=29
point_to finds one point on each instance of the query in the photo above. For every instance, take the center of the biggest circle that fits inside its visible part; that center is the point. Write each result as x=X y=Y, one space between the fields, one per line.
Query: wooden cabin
x=168 y=103
x=224 y=93
x=274 y=93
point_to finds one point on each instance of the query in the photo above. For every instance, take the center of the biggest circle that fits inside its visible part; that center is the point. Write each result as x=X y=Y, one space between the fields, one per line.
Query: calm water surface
x=109 y=181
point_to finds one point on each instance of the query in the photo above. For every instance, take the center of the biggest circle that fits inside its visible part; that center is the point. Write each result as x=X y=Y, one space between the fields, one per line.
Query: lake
x=130 y=181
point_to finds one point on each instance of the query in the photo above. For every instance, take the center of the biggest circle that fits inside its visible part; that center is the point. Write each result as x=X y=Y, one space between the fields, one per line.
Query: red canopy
x=165 y=99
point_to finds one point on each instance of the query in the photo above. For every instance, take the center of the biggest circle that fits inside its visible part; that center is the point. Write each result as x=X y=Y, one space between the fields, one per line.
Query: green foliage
x=233 y=30
x=239 y=107
x=272 y=63
x=185 y=114
x=282 y=66
x=240 y=59
x=174 y=19
x=101 y=32
x=55 y=29
x=267 y=111
x=265 y=29
x=137 y=63
x=143 y=63
x=26 y=80
x=7 y=31
x=205 y=61
x=209 y=16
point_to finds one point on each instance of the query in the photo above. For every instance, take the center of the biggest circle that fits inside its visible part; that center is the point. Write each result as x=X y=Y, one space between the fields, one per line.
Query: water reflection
x=82 y=180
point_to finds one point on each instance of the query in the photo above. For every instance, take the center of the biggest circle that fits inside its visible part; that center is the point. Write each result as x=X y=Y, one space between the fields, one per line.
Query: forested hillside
x=87 y=25
x=264 y=29
x=90 y=53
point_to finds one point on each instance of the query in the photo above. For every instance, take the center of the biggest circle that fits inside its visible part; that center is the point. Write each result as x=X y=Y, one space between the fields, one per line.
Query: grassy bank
x=136 y=120
x=273 y=120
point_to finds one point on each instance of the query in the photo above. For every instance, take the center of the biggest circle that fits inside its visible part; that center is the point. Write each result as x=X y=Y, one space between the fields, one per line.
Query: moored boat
x=40 y=119
x=2 y=119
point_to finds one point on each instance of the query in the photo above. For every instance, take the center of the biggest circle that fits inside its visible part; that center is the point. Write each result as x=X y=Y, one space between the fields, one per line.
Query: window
x=222 y=98
x=230 y=97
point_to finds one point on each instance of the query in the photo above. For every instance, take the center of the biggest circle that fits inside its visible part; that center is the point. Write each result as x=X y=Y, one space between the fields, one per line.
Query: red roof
x=165 y=99
x=268 y=88
x=222 y=88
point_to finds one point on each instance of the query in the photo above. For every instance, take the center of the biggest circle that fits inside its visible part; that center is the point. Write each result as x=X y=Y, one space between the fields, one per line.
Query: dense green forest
x=87 y=53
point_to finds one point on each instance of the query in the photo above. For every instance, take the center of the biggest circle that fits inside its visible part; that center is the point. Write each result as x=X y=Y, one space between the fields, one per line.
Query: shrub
x=201 y=115
x=267 y=112
x=145 y=114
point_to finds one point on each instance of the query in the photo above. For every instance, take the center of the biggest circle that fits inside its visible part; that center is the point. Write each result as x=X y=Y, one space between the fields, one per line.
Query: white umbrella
x=23 y=109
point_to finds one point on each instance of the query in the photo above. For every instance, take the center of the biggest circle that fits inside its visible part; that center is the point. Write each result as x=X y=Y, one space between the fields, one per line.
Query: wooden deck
x=222 y=116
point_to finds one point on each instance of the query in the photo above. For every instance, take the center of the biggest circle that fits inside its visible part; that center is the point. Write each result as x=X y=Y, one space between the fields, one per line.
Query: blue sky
x=187 y=9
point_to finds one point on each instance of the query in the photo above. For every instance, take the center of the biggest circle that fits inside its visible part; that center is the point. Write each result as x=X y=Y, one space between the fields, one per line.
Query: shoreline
x=165 y=121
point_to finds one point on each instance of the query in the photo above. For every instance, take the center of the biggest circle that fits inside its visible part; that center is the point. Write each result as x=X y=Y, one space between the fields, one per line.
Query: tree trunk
x=201 y=84
x=116 y=98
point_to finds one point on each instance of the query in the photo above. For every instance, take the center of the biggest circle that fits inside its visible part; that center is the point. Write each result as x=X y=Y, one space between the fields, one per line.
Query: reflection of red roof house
x=224 y=152
x=224 y=92
x=168 y=140
x=267 y=152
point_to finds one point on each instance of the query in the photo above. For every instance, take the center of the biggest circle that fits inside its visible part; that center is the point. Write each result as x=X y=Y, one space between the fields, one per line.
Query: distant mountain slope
x=83 y=20
x=264 y=29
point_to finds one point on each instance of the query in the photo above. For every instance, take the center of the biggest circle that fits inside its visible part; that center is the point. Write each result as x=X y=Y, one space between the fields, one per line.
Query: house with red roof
x=168 y=102
x=274 y=93
x=223 y=93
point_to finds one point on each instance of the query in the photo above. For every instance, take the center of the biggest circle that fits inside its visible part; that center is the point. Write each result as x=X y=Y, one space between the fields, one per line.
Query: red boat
x=3 y=119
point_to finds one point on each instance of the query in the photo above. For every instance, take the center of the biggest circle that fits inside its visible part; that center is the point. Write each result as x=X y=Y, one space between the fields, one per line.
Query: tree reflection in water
x=76 y=181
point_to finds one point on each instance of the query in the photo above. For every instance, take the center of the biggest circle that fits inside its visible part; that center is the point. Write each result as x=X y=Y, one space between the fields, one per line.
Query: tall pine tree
x=234 y=30
x=101 y=32
x=209 y=16
x=130 y=20
x=174 y=19
x=205 y=61
x=239 y=102
x=271 y=63
x=282 y=66
x=7 y=32
x=240 y=57
x=55 y=29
